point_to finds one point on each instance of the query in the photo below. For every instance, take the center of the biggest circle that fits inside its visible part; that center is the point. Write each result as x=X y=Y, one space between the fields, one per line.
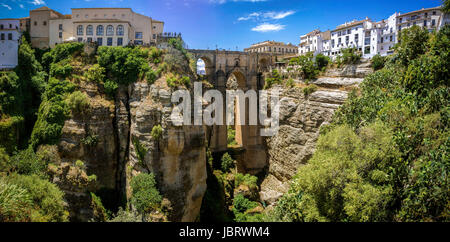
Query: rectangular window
x=89 y=40
x=109 y=41
x=138 y=42
x=2 y=36
x=154 y=36
x=60 y=27
x=80 y=39
x=119 y=41
x=425 y=23
x=100 y=41
x=9 y=36
x=139 y=35
x=60 y=35
x=391 y=38
x=433 y=22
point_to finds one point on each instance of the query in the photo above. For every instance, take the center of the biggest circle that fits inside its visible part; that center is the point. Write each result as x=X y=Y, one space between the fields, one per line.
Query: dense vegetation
x=386 y=155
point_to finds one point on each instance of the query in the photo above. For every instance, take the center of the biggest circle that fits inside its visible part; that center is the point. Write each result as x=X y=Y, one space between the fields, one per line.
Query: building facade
x=9 y=42
x=273 y=47
x=371 y=38
x=430 y=18
x=315 y=42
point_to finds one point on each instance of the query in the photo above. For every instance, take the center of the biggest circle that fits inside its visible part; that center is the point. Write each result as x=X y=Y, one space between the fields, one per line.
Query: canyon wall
x=300 y=120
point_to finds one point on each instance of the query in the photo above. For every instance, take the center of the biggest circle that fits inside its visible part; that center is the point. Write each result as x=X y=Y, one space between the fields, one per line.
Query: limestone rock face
x=177 y=158
x=359 y=70
x=300 y=120
x=99 y=156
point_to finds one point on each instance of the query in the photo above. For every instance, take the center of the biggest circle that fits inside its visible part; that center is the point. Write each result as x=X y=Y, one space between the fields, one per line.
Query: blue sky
x=231 y=24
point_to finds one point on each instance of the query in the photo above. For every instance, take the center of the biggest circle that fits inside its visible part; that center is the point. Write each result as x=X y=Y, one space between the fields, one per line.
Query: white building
x=371 y=38
x=430 y=18
x=9 y=43
x=389 y=36
x=315 y=42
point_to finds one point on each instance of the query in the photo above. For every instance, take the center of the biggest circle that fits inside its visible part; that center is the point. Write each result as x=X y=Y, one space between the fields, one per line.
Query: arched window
x=80 y=30
x=89 y=30
x=100 y=30
x=120 y=30
x=110 y=30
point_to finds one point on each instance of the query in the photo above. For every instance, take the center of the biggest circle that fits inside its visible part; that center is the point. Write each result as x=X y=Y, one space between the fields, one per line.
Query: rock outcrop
x=300 y=120
x=177 y=158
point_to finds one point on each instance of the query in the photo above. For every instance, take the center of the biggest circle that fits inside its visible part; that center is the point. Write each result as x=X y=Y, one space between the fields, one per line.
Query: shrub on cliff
x=15 y=203
x=378 y=62
x=122 y=64
x=78 y=102
x=157 y=132
x=47 y=199
x=145 y=196
x=52 y=113
x=227 y=163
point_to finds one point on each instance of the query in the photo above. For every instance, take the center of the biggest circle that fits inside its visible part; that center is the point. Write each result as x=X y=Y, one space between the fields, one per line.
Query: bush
x=60 y=53
x=290 y=83
x=151 y=77
x=349 y=56
x=52 y=113
x=124 y=216
x=227 y=163
x=15 y=203
x=273 y=80
x=155 y=55
x=61 y=70
x=48 y=202
x=247 y=180
x=78 y=102
x=110 y=88
x=95 y=74
x=26 y=162
x=145 y=196
x=378 y=62
x=322 y=61
x=242 y=204
x=174 y=81
x=231 y=136
x=413 y=42
x=310 y=89
x=124 y=65
x=100 y=213
x=157 y=132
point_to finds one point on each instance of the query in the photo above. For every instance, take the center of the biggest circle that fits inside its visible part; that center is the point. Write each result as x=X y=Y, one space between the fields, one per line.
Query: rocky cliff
x=301 y=117
x=177 y=158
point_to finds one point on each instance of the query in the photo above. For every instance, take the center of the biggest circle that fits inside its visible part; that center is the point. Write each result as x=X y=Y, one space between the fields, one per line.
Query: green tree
x=145 y=196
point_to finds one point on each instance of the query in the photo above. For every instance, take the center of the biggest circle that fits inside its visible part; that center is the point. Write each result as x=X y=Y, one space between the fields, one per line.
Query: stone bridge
x=247 y=70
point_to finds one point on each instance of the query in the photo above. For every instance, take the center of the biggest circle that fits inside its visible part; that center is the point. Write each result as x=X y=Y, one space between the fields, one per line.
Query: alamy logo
x=235 y=107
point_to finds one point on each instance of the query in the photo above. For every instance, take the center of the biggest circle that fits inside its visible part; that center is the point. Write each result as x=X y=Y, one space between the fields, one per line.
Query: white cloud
x=266 y=27
x=38 y=2
x=6 y=6
x=272 y=15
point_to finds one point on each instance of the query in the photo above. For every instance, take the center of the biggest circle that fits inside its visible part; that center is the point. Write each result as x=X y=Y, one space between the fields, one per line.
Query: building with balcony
x=9 y=42
x=273 y=47
x=430 y=18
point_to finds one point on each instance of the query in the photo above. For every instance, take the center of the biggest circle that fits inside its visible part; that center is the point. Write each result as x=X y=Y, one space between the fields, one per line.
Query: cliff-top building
x=273 y=47
x=9 y=42
x=371 y=38
x=106 y=26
